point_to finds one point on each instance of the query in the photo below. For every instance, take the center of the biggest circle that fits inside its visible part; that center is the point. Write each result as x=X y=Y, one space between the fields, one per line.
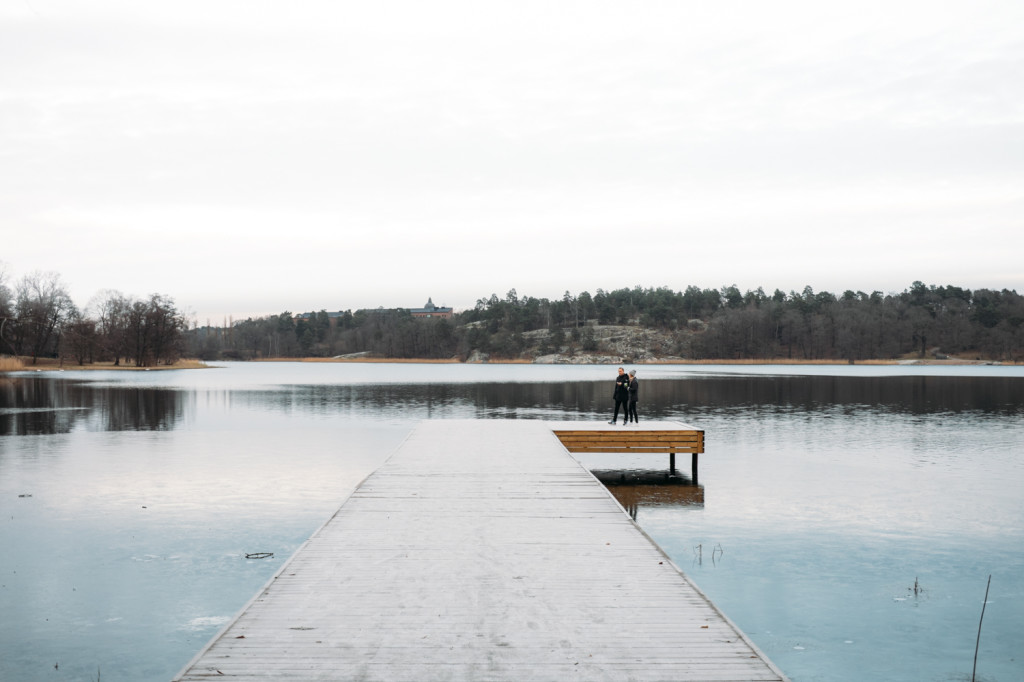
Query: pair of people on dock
x=627 y=389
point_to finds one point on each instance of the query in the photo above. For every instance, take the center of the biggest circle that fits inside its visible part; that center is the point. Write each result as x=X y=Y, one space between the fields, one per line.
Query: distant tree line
x=713 y=324
x=38 y=319
x=857 y=325
x=383 y=333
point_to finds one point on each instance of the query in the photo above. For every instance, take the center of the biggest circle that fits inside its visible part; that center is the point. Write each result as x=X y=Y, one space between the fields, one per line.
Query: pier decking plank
x=481 y=550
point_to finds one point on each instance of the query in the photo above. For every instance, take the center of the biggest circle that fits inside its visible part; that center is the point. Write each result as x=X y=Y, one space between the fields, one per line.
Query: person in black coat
x=621 y=396
x=634 y=389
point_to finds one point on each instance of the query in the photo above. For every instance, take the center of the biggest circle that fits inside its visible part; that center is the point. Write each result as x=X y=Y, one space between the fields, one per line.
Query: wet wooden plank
x=481 y=550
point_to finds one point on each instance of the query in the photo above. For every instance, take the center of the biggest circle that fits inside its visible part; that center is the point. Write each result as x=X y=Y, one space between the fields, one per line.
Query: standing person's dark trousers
x=621 y=397
x=634 y=390
x=620 y=402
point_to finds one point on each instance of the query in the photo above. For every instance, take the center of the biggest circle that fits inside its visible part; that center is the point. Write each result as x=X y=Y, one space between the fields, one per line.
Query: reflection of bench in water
x=657 y=437
x=643 y=488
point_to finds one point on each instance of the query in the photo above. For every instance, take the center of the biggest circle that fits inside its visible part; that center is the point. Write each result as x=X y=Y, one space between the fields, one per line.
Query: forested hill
x=39 y=320
x=650 y=324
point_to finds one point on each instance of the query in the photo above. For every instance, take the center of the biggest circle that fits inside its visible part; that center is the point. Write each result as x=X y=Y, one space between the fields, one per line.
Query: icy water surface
x=129 y=501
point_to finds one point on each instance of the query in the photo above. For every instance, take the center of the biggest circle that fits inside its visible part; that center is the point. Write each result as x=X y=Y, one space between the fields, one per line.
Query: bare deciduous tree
x=42 y=306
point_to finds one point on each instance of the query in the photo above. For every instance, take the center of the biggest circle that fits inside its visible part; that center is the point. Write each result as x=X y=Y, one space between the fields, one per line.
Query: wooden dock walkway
x=481 y=550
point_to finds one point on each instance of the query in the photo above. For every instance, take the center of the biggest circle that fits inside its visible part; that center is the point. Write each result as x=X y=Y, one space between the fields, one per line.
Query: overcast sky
x=252 y=157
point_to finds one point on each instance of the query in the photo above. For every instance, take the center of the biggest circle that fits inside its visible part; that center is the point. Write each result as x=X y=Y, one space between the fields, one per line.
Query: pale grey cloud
x=251 y=157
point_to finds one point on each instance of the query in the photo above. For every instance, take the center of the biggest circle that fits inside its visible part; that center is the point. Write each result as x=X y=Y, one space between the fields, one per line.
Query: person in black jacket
x=621 y=396
x=634 y=388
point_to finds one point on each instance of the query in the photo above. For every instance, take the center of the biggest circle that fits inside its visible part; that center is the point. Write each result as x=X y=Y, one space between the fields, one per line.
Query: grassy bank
x=9 y=364
x=18 y=364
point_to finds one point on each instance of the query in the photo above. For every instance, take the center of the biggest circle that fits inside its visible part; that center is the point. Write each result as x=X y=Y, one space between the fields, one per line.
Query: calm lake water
x=129 y=500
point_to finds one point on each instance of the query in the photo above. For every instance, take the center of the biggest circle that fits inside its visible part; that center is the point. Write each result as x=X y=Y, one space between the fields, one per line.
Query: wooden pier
x=481 y=550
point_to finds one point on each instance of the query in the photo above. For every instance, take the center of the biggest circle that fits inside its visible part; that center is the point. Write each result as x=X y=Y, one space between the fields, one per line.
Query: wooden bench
x=655 y=437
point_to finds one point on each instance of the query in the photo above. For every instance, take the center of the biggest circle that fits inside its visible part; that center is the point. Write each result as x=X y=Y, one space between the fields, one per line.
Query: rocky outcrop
x=604 y=344
x=578 y=359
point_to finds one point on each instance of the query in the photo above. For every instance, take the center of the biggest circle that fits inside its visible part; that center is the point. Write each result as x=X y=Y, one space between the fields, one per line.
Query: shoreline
x=52 y=365
x=55 y=365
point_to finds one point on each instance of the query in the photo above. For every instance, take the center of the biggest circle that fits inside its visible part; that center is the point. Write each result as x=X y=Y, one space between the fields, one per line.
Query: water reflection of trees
x=902 y=394
x=668 y=398
x=140 y=409
x=441 y=400
x=37 y=406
